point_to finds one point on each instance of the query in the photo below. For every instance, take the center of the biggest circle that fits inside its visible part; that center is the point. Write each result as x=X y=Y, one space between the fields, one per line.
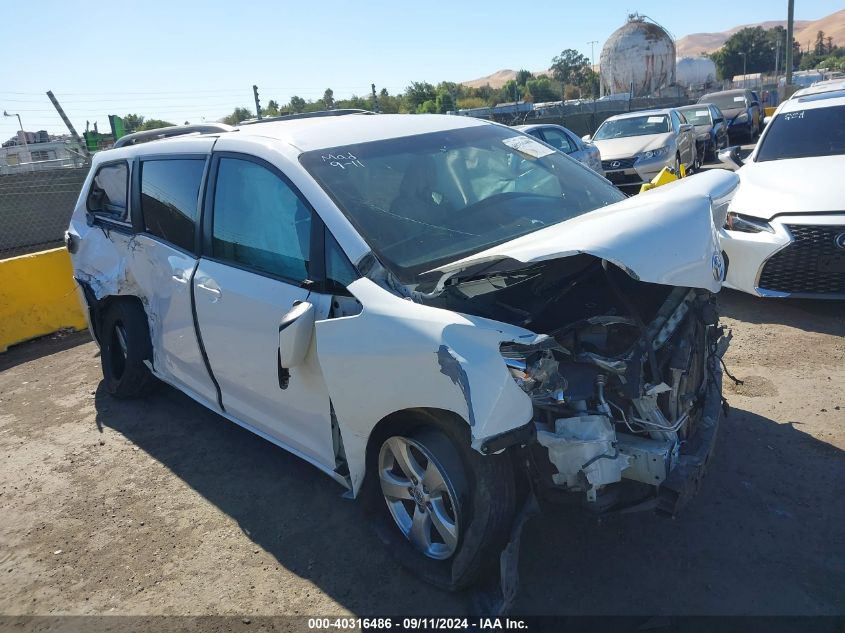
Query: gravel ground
x=162 y=507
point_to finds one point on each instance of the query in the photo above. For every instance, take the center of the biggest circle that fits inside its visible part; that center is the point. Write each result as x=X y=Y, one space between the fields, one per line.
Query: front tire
x=442 y=509
x=125 y=346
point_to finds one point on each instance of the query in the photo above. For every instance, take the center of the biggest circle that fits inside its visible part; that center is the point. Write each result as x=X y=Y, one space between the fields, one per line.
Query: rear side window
x=259 y=221
x=559 y=140
x=109 y=192
x=169 y=198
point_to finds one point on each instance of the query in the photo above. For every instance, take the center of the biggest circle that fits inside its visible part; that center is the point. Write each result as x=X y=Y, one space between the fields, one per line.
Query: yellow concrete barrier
x=37 y=296
x=664 y=177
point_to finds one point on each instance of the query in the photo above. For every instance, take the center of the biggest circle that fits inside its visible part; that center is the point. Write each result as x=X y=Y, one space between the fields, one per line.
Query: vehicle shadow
x=281 y=503
x=738 y=548
x=813 y=315
x=44 y=346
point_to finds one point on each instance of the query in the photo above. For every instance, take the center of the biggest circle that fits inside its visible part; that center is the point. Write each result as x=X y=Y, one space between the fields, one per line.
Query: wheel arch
x=405 y=420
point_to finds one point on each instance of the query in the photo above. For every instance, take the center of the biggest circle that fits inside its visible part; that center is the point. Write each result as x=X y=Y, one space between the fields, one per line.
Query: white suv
x=439 y=313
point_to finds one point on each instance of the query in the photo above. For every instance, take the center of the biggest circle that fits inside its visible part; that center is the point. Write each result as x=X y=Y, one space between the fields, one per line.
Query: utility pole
x=790 y=25
x=744 y=78
x=257 y=104
x=68 y=124
x=23 y=138
x=592 y=44
x=375 y=98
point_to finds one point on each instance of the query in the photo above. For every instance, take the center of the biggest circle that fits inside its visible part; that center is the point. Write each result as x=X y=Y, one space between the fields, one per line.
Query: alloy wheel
x=419 y=496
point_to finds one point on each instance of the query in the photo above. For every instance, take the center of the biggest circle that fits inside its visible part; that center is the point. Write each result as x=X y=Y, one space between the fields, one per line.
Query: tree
x=427 y=107
x=297 y=104
x=820 y=48
x=272 y=108
x=132 y=122
x=418 y=93
x=328 y=98
x=750 y=48
x=522 y=77
x=154 y=124
x=570 y=67
x=540 y=90
x=238 y=115
x=444 y=102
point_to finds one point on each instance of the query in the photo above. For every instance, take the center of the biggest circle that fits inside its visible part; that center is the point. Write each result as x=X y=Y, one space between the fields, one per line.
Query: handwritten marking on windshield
x=342 y=160
x=793 y=115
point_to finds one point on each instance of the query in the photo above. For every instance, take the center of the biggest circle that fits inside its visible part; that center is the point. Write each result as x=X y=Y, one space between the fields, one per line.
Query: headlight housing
x=746 y=224
x=654 y=153
x=742 y=118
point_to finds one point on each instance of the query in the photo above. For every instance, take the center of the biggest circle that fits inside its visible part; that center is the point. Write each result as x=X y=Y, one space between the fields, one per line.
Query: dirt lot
x=162 y=507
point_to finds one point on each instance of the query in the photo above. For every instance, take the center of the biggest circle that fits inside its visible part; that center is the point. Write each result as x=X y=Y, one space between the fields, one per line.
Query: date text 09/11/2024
x=421 y=624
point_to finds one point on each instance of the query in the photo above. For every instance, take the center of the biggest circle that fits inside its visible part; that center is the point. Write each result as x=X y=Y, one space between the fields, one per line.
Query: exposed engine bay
x=618 y=378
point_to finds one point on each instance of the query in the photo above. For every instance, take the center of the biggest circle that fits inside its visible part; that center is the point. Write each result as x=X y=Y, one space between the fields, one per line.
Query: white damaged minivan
x=444 y=315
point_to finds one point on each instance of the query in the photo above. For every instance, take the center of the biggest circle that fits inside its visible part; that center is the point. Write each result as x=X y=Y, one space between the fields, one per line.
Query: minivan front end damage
x=621 y=401
x=623 y=370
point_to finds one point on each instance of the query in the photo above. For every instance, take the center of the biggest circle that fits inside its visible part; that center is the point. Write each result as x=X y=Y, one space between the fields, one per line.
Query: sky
x=185 y=60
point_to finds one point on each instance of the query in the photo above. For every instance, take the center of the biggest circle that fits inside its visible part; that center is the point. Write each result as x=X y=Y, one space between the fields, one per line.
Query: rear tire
x=480 y=506
x=125 y=346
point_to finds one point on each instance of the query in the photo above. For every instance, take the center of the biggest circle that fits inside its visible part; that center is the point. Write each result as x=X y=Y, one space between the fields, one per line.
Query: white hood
x=631 y=145
x=665 y=236
x=802 y=185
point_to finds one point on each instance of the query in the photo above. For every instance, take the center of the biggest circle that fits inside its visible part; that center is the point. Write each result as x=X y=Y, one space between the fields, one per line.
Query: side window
x=259 y=221
x=169 y=198
x=109 y=192
x=558 y=140
x=676 y=124
x=339 y=270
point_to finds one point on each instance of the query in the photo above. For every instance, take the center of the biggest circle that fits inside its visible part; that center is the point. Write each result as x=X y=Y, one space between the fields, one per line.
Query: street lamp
x=23 y=135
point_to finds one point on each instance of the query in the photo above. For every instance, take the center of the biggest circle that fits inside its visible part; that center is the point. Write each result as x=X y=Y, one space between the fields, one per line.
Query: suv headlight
x=746 y=224
x=654 y=153
x=742 y=118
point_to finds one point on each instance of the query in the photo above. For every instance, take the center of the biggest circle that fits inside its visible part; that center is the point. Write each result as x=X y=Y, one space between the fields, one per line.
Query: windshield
x=426 y=200
x=725 y=102
x=633 y=126
x=814 y=132
x=698 y=117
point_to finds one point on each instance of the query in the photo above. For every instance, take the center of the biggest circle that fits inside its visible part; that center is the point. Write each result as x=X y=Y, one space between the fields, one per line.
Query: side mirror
x=586 y=138
x=295 y=331
x=730 y=156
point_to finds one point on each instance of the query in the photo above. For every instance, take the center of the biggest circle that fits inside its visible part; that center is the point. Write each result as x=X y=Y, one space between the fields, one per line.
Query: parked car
x=711 y=129
x=566 y=141
x=432 y=310
x=741 y=109
x=635 y=146
x=785 y=231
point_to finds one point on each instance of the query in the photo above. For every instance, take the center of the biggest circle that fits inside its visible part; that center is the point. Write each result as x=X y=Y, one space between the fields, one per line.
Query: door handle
x=214 y=291
x=179 y=275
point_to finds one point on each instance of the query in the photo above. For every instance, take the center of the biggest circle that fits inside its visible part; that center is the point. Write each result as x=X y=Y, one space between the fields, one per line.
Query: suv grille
x=624 y=163
x=812 y=263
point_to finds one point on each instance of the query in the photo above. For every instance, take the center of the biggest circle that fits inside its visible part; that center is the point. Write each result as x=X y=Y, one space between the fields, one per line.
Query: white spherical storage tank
x=639 y=53
x=695 y=71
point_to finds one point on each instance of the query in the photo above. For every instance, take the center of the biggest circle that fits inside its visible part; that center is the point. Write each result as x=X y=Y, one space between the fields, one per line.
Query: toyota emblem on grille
x=615 y=163
x=839 y=240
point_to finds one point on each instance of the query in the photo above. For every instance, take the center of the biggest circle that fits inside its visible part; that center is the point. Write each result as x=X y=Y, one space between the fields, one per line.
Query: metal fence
x=35 y=208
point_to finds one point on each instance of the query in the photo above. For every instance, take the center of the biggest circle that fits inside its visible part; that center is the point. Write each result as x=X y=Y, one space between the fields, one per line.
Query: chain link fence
x=35 y=208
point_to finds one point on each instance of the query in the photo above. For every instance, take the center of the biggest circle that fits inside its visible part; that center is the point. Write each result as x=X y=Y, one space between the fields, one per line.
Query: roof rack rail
x=306 y=115
x=173 y=130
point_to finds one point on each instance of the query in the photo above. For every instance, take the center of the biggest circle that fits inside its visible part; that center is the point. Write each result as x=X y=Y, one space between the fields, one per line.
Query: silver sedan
x=566 y=141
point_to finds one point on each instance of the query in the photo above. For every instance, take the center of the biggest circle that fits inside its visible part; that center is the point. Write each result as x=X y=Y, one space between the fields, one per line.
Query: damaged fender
x=416 y=357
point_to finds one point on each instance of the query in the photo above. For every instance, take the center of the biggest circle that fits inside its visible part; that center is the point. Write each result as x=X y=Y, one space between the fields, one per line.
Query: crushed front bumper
x=685 y=478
